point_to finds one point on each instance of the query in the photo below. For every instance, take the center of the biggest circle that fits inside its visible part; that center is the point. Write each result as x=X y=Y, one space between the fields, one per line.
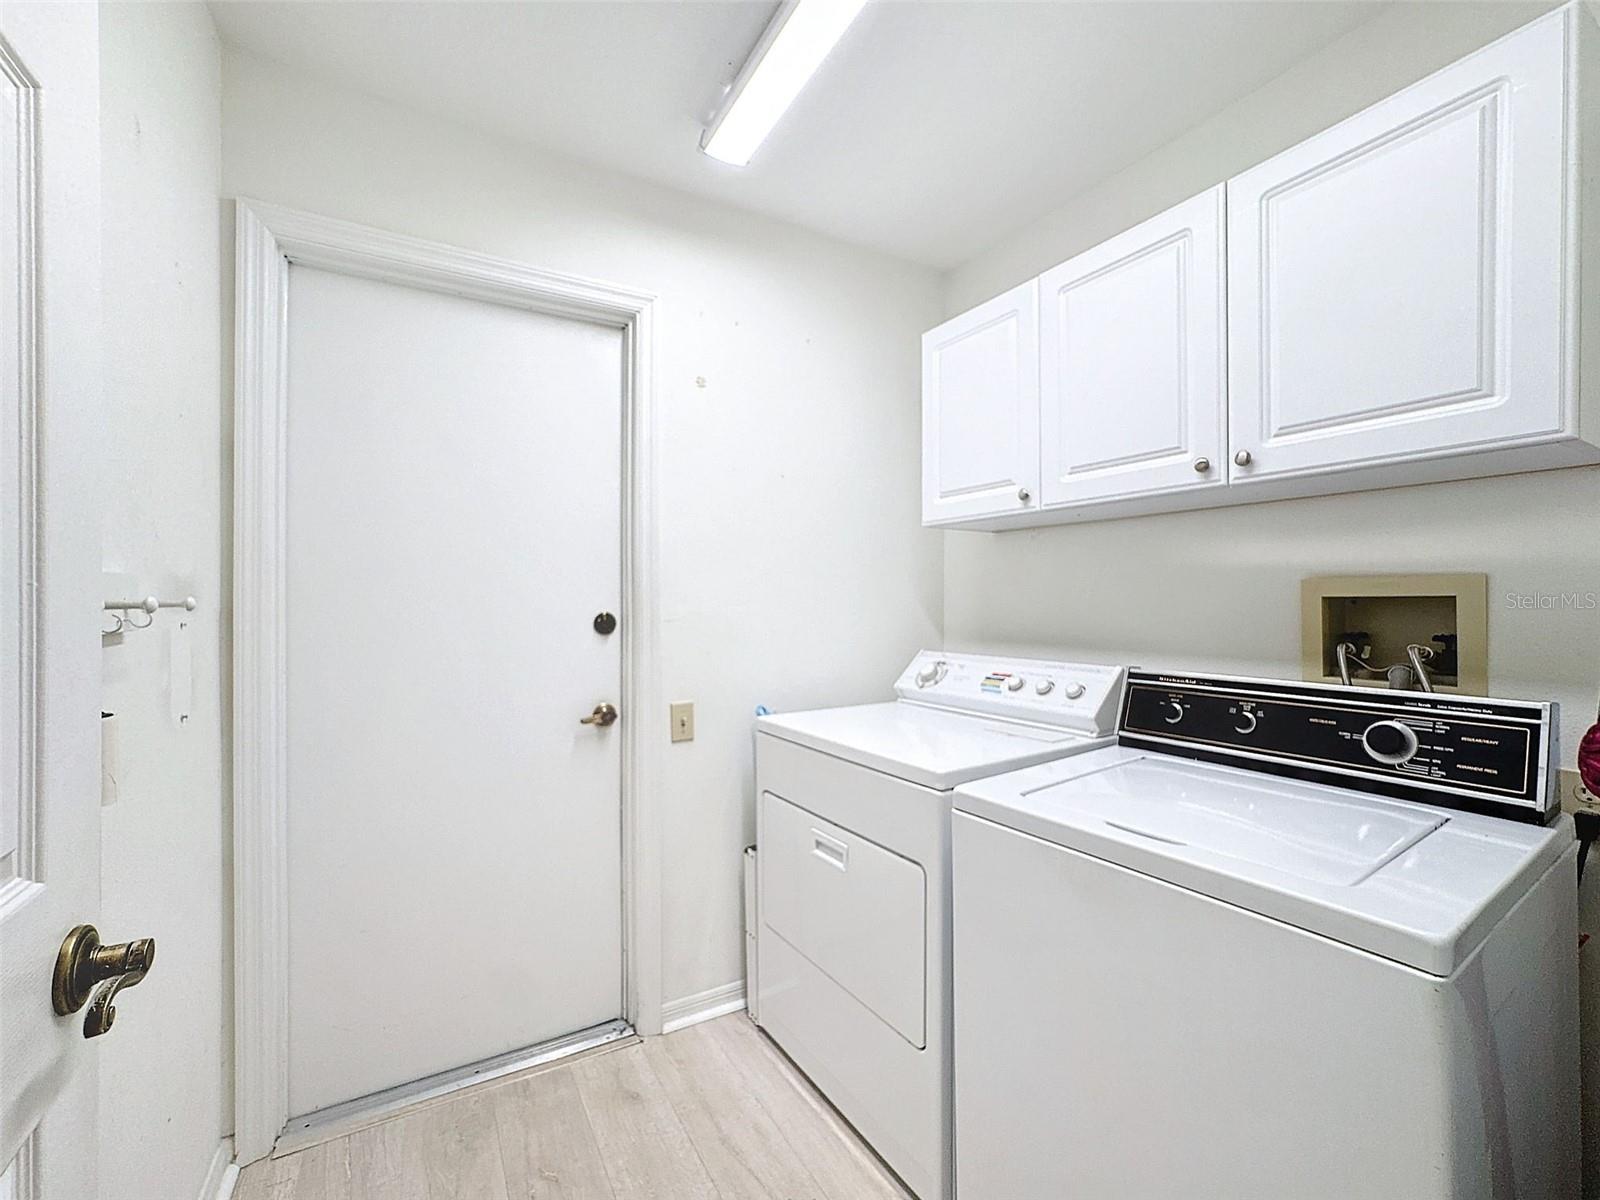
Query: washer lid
x=935 y=747
x=1412 y=883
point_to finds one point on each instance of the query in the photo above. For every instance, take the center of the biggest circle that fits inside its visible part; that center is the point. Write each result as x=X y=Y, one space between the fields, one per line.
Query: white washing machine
x=1283 y=941
x=853 y=830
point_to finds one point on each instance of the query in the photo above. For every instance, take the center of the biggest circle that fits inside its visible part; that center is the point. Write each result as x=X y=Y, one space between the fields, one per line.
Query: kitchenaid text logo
x=1580 y=601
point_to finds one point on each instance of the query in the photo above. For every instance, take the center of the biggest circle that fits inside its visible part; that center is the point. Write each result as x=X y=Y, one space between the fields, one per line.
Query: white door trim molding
x=268 y=240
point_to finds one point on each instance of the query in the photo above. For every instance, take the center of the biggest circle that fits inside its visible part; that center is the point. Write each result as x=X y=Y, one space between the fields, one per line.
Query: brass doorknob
x=603 y=714
x=88 y=972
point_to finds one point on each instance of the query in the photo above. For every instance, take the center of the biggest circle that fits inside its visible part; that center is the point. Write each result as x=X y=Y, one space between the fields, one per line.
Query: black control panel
x=1493 y=756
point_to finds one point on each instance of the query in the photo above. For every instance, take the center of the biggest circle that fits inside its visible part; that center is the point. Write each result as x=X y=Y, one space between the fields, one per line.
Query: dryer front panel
x=857 y=911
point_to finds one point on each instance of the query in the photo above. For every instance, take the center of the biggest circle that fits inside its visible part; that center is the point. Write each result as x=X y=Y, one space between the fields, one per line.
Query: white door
x=454 y=844
x=1396 y=284
x=1132 y=362
x=49 y=579
x=980 y=410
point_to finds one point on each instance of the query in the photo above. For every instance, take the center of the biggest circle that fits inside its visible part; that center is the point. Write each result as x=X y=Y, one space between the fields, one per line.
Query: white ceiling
x=934 y=128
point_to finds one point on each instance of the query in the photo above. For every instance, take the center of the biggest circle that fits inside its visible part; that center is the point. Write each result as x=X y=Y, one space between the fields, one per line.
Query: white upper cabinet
x=980 y=411
x=1398 y=285
x=1393 y=301
x=1132 y=362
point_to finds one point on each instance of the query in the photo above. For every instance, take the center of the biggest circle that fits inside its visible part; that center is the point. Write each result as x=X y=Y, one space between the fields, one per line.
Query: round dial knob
x=1073 y=690
x=1245 y=722
x=1174 y=712
x=1014 y=684
x=1044 y=686
x=1389 y=742
x=930 y=674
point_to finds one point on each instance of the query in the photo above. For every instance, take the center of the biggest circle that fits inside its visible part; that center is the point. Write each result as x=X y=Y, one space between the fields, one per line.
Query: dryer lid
x=1419 y=885
x=935 y=747
x=963 y=716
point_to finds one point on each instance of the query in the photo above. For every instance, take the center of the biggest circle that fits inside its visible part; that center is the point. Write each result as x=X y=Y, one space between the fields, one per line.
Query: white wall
x=793 y=569
x=165 y=1092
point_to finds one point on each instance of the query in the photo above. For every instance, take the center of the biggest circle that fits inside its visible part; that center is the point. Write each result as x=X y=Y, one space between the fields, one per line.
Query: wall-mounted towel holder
x=123 y=612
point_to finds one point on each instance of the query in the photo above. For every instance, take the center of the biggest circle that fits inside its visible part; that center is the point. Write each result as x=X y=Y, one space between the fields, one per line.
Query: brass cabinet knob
x=603 y=714
x=1202 y=465
x=88 y=972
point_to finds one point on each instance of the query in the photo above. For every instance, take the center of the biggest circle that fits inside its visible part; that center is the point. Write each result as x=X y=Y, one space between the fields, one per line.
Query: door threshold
x=338 y=1120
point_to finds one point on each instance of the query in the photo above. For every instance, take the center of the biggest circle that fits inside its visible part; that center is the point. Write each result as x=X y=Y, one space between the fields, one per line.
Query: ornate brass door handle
x=603 y=714
x=85 y=968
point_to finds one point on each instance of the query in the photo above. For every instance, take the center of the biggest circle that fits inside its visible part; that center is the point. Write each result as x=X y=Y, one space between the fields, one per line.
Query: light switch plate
x=683 y=721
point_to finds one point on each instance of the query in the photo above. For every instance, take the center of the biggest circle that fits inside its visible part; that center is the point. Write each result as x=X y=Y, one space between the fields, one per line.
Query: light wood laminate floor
x=714 y=1111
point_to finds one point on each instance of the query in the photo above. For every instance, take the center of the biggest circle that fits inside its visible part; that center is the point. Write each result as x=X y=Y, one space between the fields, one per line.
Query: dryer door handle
x=830 y=850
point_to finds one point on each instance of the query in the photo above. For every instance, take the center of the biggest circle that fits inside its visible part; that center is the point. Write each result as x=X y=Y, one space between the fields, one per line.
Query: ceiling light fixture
x=790 y=50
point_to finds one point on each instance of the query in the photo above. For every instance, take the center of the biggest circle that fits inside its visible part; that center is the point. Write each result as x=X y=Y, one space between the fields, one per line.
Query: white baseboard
x=704 y=1006
x=223 y=1175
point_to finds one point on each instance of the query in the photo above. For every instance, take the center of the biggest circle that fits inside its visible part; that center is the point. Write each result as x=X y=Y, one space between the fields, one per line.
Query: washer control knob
x=1176 y=713
x=1389 y=742
x=1044 y=687
x=1014 y=684
x=931 y=674
x=1246 y=722
x=1073 y=691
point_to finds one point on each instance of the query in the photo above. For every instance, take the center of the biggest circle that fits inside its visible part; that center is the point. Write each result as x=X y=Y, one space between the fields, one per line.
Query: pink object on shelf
x=1589 y=760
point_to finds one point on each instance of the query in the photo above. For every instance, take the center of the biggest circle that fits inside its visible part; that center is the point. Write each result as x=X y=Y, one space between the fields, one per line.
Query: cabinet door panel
x=1131 y=375
x=1396 y=284
x=980 y=410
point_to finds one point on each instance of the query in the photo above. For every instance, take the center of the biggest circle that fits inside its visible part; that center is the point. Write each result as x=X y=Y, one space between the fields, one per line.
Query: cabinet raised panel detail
x=1396 y=283
x=980 y=410
x=1131 y=353
x=977 y=446
x=1367 y=350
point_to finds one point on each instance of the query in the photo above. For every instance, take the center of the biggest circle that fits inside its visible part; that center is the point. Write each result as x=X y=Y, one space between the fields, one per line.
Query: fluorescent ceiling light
x=789 y=53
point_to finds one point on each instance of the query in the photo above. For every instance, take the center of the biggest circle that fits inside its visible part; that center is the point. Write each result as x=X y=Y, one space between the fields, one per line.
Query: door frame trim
x=268 y=239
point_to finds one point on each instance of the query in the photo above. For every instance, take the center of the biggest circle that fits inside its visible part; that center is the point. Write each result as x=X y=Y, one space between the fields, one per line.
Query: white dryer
x=853 y=830
x=1283 y=942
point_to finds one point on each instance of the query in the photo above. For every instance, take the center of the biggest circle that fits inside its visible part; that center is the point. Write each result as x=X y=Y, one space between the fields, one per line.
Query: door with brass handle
x=89 y=972
x=603 y=714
